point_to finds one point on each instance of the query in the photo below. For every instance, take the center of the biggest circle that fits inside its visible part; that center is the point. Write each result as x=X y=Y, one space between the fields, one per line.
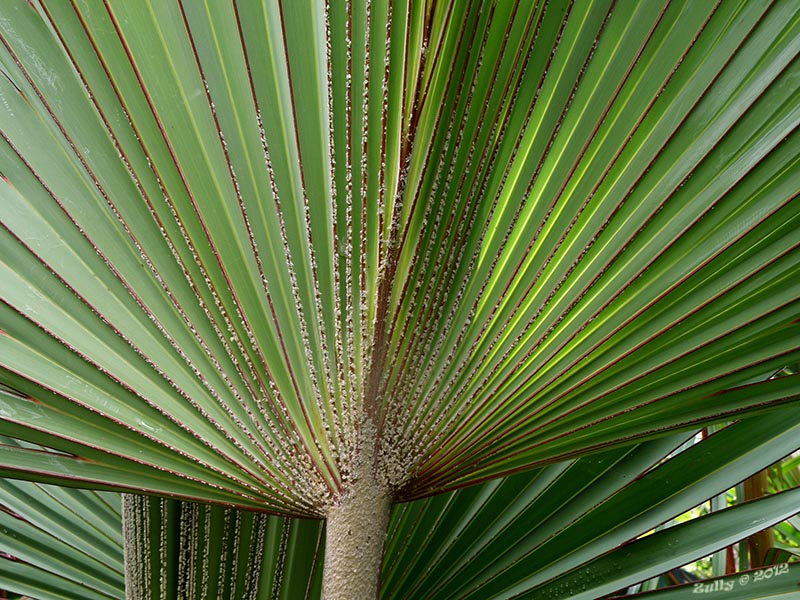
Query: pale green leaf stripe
x=456 y=211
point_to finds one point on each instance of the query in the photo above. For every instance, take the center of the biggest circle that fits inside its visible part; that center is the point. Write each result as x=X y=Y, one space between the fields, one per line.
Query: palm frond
x=267 y=255
x=58 y=543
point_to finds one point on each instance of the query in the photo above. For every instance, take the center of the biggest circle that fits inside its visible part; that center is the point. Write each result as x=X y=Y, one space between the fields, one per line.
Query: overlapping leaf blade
x=60 y=543
x=570 y=526
x=528 y=533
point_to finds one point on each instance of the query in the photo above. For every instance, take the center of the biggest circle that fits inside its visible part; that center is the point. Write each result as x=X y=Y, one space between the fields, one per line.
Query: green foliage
x=506 y=237
x=57 y=543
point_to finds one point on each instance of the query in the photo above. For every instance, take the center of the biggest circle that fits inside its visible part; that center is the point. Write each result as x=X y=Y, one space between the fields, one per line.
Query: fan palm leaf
x=311 y=258
x=518 y=535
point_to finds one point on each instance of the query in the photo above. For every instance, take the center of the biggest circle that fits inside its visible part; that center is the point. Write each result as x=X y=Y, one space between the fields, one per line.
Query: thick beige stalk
x=356 y=532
